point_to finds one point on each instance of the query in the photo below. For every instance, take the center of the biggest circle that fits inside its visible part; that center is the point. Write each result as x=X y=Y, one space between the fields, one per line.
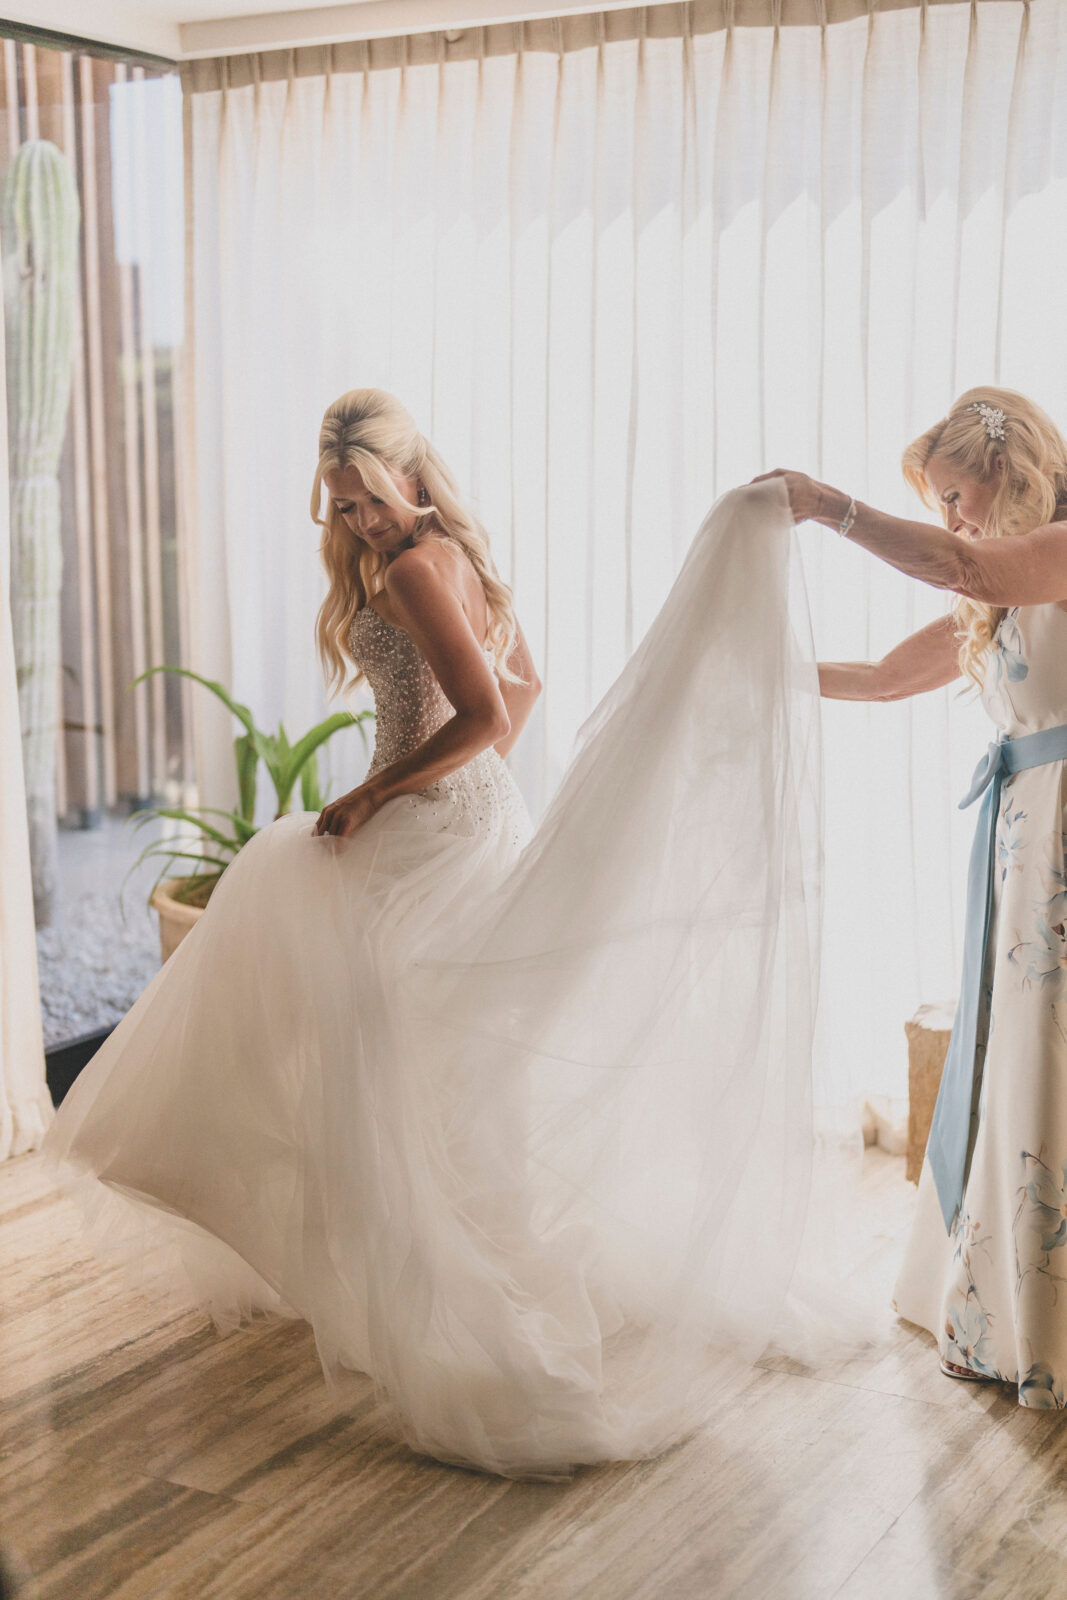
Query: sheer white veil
x=631 y=1017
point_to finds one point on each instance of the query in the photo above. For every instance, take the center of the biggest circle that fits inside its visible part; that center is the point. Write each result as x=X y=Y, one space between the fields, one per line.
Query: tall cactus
x=40 y=243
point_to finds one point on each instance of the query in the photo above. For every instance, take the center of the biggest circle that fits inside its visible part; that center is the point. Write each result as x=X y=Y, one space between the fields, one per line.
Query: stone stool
x=928 y=1034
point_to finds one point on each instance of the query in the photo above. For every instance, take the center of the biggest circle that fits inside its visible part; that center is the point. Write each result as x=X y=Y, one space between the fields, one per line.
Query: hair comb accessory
x=991 y=416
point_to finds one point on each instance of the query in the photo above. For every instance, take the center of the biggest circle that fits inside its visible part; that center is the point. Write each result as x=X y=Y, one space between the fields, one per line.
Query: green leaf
x=155 y=849
x=242 y=713
x=310 y=791
x=281 y=771
x=267 y=745
x=285 y=763
x=275 y=761
x=137 y=819
x=145 y=853
x=184 y=894
x=181 y=855
x=159 y=879
x=318 y=735
x=247 y=760
x=306 y=747
x=244 y=829
x=205 y=828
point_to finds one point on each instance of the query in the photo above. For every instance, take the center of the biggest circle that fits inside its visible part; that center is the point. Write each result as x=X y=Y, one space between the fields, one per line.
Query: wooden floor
x=156 y=1459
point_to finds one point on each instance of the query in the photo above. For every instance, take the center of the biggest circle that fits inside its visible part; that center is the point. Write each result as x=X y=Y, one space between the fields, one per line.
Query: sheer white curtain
x=615 y=265
x=25 y=1104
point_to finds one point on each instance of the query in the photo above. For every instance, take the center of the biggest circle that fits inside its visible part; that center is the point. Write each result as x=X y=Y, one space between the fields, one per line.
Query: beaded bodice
x=410 y=706
x=409 y=703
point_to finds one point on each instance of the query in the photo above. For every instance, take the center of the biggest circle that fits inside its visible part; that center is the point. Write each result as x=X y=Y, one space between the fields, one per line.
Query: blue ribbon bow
x=956 y=1115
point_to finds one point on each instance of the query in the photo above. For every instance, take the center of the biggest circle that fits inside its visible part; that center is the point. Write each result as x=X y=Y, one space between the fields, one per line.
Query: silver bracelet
x=845 y=525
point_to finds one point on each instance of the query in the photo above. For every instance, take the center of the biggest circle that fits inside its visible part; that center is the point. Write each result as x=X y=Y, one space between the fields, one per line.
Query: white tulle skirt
x=525 y=1136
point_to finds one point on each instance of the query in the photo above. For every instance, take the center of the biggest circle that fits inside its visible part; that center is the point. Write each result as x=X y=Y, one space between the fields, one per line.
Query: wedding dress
x=520 y=1125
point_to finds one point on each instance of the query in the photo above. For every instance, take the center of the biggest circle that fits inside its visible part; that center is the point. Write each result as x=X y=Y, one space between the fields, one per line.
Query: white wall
x=134 y=24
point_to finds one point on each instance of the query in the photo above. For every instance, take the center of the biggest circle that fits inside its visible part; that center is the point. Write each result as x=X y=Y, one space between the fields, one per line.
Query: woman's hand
x=345 y=816
x=809 y=500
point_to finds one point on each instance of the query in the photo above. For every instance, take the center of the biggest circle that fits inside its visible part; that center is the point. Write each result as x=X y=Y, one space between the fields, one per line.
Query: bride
x=415 y=604
x=519 y=1122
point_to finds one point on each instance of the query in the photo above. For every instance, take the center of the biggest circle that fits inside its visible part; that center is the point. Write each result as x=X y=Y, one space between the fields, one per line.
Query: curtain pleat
x=611 y=277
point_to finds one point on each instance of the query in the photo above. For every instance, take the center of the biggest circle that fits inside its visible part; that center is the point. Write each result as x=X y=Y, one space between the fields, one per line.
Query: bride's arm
x=519 y=698
x=925 y=660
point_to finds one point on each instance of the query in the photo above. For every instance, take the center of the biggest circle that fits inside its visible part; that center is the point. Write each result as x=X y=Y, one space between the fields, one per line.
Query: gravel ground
x=92 y=965
x=93 y=962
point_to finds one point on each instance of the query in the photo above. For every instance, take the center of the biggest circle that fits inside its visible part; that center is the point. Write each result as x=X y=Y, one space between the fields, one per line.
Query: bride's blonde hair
x=1032 y=486
x=369 y=429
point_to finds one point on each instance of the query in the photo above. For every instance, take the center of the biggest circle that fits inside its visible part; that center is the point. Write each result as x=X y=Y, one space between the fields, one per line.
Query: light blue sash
x=955 y=1122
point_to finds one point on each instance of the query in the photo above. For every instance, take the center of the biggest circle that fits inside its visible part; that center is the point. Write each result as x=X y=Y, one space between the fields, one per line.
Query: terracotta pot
x=175 y=918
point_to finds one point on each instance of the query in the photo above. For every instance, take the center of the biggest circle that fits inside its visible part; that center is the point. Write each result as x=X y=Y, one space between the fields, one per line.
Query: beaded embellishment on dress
x=410 y=706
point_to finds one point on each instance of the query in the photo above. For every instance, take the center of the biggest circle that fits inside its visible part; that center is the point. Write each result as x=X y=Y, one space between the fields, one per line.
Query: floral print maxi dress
x=994 y=1292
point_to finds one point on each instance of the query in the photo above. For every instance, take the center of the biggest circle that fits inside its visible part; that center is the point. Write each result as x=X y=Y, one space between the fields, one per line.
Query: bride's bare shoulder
x=429 y=561
x=432 y=568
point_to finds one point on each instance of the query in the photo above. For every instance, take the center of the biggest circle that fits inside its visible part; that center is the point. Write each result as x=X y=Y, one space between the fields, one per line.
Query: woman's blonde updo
x=369 y=429
x=1032 y=488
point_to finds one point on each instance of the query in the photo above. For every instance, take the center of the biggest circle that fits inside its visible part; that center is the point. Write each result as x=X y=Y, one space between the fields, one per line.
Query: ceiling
x=183 y=29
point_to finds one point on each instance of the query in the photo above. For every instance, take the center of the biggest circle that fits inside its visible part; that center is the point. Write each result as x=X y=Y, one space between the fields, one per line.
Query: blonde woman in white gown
x=986 y=1263
x=520 y=1124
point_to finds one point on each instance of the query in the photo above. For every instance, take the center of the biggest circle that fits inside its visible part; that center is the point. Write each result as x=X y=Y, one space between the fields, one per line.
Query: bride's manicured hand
x=807 y=497
x=344 y=816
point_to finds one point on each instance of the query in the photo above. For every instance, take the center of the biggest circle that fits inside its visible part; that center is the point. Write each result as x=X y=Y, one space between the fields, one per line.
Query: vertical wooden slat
x=134 y=508
x=45 y=70
x=29 y=90
x=85 y=740
x=61 y=746
x=94 y=356
x=48 y=70
x=153 y=547
x=181 y=384
x=185 y=461
x=128 y=746
x=11 y=87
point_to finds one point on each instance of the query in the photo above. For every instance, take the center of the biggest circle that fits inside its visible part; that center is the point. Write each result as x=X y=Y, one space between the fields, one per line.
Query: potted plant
x=180 y=899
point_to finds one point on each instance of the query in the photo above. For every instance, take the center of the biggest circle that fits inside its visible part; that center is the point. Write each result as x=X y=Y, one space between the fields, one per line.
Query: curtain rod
x=554 y=34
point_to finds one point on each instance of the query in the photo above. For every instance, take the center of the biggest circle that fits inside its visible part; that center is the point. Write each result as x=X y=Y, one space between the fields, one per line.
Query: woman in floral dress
x=985 y=1269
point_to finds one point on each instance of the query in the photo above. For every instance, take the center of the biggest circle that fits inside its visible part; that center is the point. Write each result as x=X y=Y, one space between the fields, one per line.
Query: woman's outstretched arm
x=925 y=660
x=1027 y=570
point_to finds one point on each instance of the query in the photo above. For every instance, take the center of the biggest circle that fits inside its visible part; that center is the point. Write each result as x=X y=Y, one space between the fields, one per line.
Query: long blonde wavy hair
x=1033 y=486
x=369 y=429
